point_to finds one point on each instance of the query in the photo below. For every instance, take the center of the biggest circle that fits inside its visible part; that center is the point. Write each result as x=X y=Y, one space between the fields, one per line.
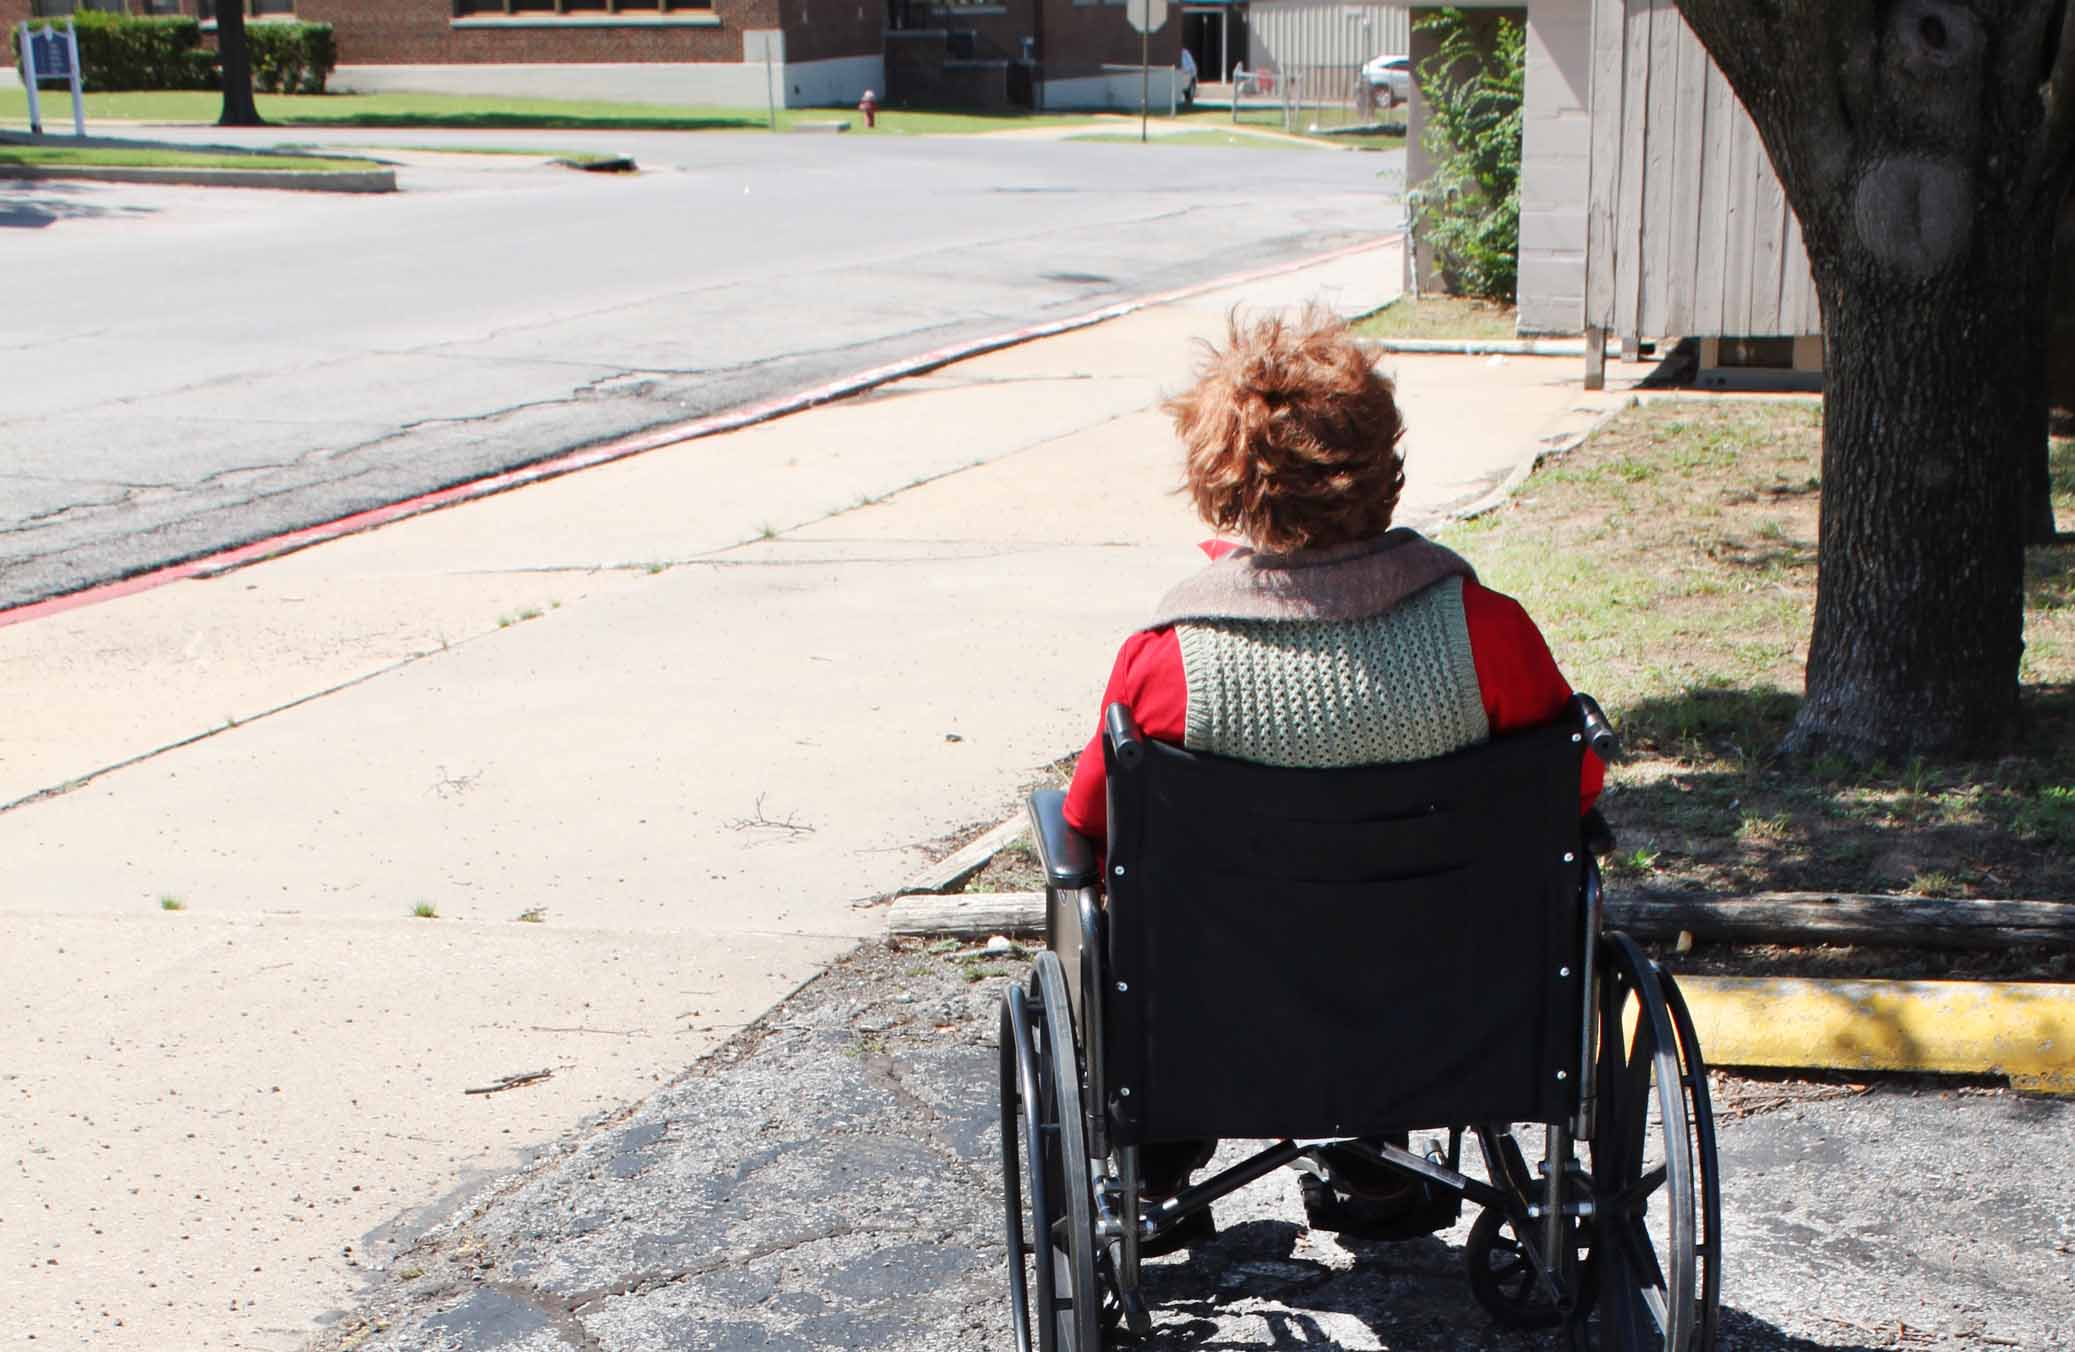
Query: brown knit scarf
x=1343 y=582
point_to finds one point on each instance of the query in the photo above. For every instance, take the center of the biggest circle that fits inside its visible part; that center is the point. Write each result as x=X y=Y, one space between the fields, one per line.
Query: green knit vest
x=1399 y=686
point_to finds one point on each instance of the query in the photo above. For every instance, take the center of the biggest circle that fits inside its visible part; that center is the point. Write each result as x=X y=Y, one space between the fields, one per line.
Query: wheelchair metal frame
x=1551 y=1220
x=1073 y=932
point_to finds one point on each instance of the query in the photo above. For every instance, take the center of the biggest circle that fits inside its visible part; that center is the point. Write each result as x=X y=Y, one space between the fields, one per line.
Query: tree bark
x=234 y=55
x=1935 y=414
x=1925 y=148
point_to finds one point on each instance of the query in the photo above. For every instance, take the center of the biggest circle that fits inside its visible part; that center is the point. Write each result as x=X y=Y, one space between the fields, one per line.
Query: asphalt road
x=832 y=1180
x=183 y=370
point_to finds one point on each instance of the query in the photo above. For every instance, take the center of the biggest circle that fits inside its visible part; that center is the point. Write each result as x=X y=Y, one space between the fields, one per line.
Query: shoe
x=1414 y=1210
x=1195 y=1228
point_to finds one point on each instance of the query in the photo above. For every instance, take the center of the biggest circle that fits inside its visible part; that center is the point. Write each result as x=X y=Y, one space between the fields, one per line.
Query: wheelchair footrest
x=1421 y=1210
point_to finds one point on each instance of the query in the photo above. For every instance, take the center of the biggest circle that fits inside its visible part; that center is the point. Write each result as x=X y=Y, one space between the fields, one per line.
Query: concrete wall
x=1116 y=90
x=1555 y=166
x=722 y=84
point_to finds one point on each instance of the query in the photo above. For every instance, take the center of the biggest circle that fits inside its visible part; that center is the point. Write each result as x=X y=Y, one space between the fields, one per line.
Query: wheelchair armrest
x=1067 y=855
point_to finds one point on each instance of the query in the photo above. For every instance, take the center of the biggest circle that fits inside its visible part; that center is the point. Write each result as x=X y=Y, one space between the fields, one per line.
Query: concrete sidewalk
x=691 y=713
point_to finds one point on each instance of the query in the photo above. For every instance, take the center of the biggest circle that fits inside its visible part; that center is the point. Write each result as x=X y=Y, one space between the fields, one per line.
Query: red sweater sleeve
x=1148 y=680
x=1518 y=677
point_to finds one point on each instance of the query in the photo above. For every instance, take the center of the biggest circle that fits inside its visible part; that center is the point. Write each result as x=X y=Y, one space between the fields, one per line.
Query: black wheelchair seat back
x=1313 y=953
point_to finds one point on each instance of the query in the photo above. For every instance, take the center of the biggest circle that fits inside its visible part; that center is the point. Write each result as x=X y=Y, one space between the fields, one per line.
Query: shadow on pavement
x=1250 y=1290
x=24 y=207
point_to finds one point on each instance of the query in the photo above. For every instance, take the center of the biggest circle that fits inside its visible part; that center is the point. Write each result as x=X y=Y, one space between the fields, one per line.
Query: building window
x=58 y=9
x=257 y=9
x=471 y=9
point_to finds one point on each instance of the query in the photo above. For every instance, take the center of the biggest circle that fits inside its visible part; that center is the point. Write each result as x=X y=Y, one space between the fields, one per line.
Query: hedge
x=291 y=58
x=118 y=51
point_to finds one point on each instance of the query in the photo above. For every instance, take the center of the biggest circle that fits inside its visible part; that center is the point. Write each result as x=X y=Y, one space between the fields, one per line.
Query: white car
x=1390 y=77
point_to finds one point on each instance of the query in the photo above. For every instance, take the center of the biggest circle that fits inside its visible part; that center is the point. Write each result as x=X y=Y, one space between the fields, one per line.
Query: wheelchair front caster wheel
x=1504 y=1280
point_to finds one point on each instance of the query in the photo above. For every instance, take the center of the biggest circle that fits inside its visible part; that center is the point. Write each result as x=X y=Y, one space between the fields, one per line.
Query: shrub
x=291 y=58
x=1469 y=210
x=120 y=52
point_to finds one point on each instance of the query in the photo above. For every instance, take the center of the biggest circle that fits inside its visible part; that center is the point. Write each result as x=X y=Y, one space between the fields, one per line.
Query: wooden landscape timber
x=1764 y=918
x=1842 y=918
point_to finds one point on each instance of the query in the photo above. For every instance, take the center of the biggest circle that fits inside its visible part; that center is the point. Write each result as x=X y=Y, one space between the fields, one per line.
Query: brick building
x=1052 y=54
x=1047 y=53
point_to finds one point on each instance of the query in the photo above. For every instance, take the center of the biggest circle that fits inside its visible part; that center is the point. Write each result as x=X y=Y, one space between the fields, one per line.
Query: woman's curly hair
x=1291 y=435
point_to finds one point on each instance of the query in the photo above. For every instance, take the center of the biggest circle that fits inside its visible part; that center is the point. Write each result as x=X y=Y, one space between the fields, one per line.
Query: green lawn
x=463 y=112
x=114 y=157
x=1205 y=138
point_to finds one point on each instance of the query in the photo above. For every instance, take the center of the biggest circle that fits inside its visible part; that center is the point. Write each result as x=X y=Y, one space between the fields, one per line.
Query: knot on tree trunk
x=1914 y=213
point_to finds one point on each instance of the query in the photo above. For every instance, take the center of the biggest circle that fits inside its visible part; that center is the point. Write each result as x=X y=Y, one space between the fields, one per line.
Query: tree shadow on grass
x=1707 y=806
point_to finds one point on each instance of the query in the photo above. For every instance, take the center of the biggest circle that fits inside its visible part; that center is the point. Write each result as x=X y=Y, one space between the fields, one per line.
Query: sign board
x=1146 y=16
x=52 y=54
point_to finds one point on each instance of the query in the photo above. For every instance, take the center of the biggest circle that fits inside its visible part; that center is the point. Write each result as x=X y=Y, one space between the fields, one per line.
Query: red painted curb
x=654 y=439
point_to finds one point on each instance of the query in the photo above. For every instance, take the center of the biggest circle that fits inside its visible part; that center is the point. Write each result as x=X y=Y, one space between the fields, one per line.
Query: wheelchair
x=1335 y=957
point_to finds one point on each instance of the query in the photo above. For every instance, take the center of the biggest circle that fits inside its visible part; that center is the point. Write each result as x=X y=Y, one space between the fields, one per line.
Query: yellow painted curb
x=2023 y=1030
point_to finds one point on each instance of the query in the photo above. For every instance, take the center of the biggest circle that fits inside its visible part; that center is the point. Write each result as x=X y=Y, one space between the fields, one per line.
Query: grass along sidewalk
x=137 y=157
x=1440 y=317
x=469 y=112
x=464 y=112
x=1206 y=137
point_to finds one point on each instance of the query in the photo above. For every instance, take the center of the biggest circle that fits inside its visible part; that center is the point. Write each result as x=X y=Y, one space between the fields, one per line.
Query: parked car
x=1390 y=79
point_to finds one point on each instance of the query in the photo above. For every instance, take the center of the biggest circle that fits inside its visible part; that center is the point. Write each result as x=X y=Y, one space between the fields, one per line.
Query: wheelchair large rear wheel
x=1026 y=1203
x=1053 y=1224
x=1656 y=1220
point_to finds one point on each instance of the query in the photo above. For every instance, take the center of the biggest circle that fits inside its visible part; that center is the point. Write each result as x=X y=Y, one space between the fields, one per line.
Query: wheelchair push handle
x=1599 y=733
x=1121 y=736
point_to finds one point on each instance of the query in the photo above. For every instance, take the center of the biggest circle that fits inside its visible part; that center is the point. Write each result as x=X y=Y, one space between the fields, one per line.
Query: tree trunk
x=234 y=54
x=1931 y=431
x=1926 y=147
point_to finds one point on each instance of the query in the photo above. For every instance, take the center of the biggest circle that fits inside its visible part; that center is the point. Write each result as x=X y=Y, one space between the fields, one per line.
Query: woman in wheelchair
x=1330 y=639
x=1367 y=816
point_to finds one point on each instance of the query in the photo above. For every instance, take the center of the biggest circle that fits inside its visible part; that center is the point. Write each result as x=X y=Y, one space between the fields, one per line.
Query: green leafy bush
x=291 y=58
x=1468 y=212
x=117 y=51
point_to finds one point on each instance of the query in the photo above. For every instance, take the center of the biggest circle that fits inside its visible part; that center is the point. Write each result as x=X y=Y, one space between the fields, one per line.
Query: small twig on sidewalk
x=524 y=1077
x=757 y=821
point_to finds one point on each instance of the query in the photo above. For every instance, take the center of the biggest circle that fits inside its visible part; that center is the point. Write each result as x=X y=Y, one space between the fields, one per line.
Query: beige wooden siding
x=1289 y=36
x=1688 y=233
x=1556 y=158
